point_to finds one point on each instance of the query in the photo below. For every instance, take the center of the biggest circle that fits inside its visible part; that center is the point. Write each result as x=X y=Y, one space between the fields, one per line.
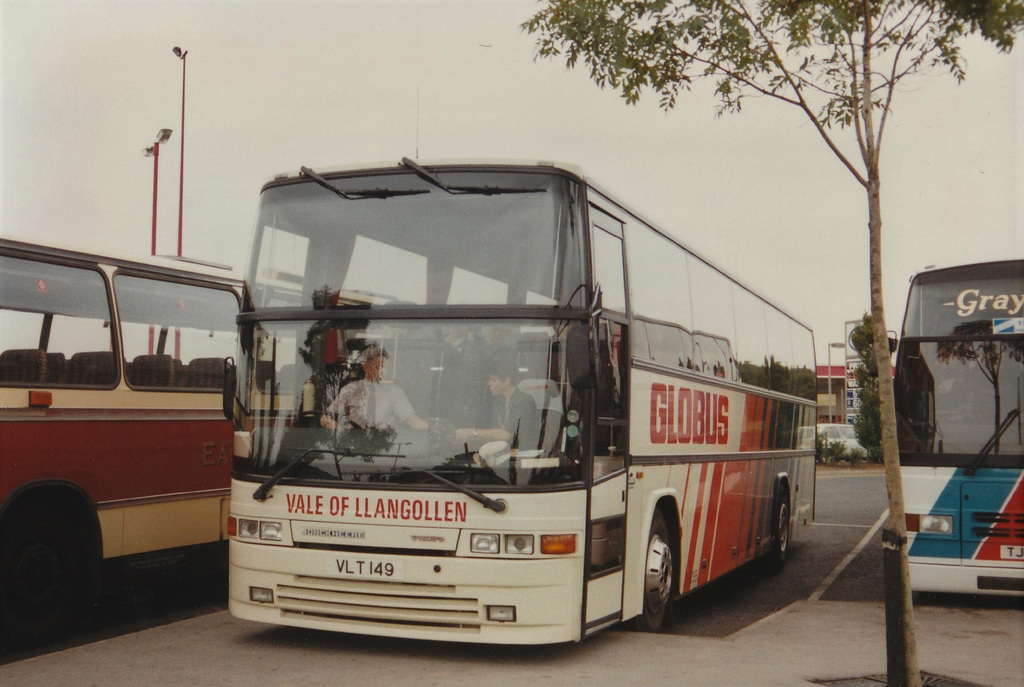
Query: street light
x=181 y=54
x=154 y=152
x=831 y=398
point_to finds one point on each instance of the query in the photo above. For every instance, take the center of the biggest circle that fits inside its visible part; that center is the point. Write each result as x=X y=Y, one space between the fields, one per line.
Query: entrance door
x=606 y=533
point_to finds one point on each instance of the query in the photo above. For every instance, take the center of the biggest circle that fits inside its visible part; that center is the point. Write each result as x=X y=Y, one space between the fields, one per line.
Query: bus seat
x=92 y=367
x=26 y=365
x=206 y=373
x=264 y=371
x=180 y=374
x=544 y=393
x=56 y=368
x=151 y=370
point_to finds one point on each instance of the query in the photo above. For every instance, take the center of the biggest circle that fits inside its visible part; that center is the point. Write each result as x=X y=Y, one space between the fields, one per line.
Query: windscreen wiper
x=992 y=441
x=301 y=461
x=358 y=193
x=498 y=506
x=306 y=458
x=431 y=178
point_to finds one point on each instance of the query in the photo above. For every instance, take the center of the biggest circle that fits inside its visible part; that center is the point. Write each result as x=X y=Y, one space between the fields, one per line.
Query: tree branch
x=855 y=96
x=799 y=100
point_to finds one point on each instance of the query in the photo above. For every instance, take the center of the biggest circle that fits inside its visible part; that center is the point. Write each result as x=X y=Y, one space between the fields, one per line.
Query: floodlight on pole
x=181 y=55
x=153 y=151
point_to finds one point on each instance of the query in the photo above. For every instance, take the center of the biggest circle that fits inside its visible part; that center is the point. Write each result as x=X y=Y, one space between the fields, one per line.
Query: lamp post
x=181 y=54
x=154 y=152
x=831 y=398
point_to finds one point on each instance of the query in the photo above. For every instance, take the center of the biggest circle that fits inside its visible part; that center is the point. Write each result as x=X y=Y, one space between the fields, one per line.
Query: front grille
x=375 y=550
x=998 y=525
x=436 y=607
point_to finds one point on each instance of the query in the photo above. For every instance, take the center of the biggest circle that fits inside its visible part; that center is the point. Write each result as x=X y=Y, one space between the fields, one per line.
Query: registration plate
x=365 y=568
x=1011 y=553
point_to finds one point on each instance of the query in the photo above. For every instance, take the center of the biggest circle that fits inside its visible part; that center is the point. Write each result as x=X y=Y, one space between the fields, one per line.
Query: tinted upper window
x=515 y=239
x=966 y=300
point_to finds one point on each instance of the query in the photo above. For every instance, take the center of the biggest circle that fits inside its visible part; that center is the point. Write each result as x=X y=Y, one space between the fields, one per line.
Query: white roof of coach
x=455 y=162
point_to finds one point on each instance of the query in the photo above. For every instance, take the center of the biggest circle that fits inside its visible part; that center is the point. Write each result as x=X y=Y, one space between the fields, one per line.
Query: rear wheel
x=780 y=533
x=658 y=571
x=40 y=579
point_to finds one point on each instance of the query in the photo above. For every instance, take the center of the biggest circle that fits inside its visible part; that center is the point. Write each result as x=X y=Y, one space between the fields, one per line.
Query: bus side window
x=49 y=313
x=166 y=323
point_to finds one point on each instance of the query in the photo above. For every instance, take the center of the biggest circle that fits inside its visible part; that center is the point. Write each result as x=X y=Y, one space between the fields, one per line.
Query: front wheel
x=40 y=579
x=658 y=571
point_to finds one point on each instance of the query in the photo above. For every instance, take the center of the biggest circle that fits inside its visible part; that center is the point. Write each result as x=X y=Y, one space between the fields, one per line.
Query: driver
x=368 y=404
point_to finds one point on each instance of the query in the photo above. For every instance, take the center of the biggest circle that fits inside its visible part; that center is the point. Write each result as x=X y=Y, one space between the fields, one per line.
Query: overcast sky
x=275 y=85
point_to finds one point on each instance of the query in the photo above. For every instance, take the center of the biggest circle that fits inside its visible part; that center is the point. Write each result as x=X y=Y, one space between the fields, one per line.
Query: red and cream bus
x=114 y=449
x=488 y=402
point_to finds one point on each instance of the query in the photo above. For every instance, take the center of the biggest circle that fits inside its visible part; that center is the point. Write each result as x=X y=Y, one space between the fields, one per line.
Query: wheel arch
x=67 y=500
x=781 y=487
x=778 y=539
x=667 y=504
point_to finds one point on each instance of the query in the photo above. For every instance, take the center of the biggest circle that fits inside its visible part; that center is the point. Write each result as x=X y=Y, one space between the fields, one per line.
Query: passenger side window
x=54 y=325
x=176 y=336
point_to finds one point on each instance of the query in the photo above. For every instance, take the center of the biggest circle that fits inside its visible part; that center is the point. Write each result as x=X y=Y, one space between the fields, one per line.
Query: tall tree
x=840 y=62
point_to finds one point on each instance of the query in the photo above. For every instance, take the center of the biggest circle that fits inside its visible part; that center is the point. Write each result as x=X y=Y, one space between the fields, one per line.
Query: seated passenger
x=514 y=418
x=368 y=404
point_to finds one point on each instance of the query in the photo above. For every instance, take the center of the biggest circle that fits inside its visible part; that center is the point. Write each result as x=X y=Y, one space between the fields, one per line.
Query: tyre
x=780 y=532
x=41 y=581
x=658 y=572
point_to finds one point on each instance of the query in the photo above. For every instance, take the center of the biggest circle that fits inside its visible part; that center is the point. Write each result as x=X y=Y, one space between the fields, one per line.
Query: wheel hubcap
x=658 y=576
x=783 y=528
x=36 y=575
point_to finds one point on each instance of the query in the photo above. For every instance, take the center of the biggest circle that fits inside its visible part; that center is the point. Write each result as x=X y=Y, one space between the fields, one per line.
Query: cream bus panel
x=671 y=416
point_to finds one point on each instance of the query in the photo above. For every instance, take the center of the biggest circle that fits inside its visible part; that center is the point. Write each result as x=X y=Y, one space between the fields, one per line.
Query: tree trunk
x=890 y=448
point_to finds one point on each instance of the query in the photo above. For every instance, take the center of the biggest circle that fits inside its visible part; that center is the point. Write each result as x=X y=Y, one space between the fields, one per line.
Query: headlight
x=932 y=524
x=940 y=524
x=248 y=529
x=521 y=544
x=484 y=543
x=270 y=530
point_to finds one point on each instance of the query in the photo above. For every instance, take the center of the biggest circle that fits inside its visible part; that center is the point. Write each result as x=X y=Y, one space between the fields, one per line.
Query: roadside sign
x=851 y=352
x=851 y=374
x=852 y=400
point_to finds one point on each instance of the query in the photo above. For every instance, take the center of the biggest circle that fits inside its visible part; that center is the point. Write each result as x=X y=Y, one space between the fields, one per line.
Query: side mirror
x=873 y=362
x=579 y=356
x=230 y=382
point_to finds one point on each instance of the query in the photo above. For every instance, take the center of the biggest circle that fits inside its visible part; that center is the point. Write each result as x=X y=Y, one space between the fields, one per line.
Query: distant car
x=841 y=434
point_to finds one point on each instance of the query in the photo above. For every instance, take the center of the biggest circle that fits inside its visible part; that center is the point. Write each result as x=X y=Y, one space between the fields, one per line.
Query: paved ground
x=807 y=641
